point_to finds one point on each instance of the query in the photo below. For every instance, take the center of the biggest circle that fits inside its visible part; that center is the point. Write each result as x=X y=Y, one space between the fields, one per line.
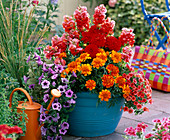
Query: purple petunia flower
x=74 y=74
x=69 y=93
x=55 y=100
x=54 y=2
x=35 y=55
x=65 y=86
x=73 y=81
x=43 y=130
x=59 y=68
x=43 y=117
x=25 y=79
x=53 y=128
x=54 y=76
x=62 y=131
x=61 y=89
x=42 y=109
x=45 y=84
x=56 y=106
x=28 y=59
x=53 y=83
x=58 y=138
x=47 y=91
x=44 y=68
x=74 y=96
x=46 y=98
x=39 y=48
x=40 y=78
x=39 y=62
x=64 y=80
x=66 y=105
x=31 y=86
x=50 y=138
x=49 y=118
x=55 y=119
x=50 y=70
x=71 y=101
x=65 y=125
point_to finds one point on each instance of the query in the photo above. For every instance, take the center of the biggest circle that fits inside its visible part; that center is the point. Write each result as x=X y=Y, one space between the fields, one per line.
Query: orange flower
x=86 y=69
x=105 y=95
x=61 y=55
x=113 y=69
x=97 y=63
x=78 y=60
x=64 y=73
x=126 y=90
x=73 y=66
x=84 y=56
x=120 y=81
x=116 y=57
x=107 y=81
x=90 y=84
x=102 y=55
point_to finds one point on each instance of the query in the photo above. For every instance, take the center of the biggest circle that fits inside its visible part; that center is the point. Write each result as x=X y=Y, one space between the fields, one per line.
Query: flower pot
x=91 y=120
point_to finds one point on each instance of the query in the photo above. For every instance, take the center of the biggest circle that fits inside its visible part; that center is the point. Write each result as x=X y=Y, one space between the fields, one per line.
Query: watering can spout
x=33 y=129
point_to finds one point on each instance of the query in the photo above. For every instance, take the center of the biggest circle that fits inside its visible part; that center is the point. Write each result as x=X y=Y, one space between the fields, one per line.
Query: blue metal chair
x=149 y=17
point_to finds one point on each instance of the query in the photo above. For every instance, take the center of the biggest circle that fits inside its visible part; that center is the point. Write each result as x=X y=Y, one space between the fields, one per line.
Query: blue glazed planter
x=89 y=120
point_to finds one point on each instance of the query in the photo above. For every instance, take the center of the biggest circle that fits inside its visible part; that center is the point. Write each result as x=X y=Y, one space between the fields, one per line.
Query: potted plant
x=101 y=67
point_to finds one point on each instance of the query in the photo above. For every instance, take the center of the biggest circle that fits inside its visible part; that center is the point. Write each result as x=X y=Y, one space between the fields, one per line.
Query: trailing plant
x=17 y=39
x=43 y=76
x=128 y=13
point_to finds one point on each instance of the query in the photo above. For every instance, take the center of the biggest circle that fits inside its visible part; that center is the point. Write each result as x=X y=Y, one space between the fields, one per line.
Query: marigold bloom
x=102 y=55
x=97 y=63
x=86 y=69
x=116 y=57
x=64 y=73
x=120 y=81
x=73 y=66
x=84 y=56
x=113 y=70
x=126 y=89
x=105 y=95
x=107 y=81
x=90 y=84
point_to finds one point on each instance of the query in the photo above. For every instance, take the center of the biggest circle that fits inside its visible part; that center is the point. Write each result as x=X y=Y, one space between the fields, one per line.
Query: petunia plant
x=43 y=76
x=100 y=61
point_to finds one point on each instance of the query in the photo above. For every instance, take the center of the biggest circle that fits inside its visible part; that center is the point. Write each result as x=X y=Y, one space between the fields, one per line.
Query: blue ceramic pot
x=90 y=120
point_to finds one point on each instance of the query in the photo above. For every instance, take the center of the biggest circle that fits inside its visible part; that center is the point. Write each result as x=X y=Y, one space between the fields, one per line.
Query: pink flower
x=149 y=135
x=157 y=121
x=35 y=2
x=130 y=131
x=112 y=3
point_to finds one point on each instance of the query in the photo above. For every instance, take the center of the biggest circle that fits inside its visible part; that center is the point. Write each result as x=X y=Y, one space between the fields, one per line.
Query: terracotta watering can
x=33 y=130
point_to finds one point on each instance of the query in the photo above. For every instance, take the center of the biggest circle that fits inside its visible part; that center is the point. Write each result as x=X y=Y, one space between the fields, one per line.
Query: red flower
x=35 y=2
x=125 y=108
x=68 y=23
x=113 y=43
x=92 y=50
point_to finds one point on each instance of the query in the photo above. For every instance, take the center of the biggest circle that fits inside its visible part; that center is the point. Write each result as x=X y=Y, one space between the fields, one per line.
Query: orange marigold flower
x=86 y=69
x=107 y=81
x=84 y=56
x=90 y=84
x=61 y=55
x=120 y=81
x=97 y=63
x=73 y=66
x=113 y=70
x=105 y=95
x=116 y=57
x=64 y=73
x=78 y=60
x=126 y=89
x=102 y=56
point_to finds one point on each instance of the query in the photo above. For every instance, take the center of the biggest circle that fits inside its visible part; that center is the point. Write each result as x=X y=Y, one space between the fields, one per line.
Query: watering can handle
x=24 y=91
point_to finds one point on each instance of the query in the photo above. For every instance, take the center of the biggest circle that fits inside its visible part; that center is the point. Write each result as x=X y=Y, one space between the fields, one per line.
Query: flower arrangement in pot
x=95 y=65
x=101 y=67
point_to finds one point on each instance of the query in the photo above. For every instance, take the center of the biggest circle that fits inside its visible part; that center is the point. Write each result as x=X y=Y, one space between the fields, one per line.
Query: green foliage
x=17 y=38
x=8 y=115
x=45 y=15
x=128 y=13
